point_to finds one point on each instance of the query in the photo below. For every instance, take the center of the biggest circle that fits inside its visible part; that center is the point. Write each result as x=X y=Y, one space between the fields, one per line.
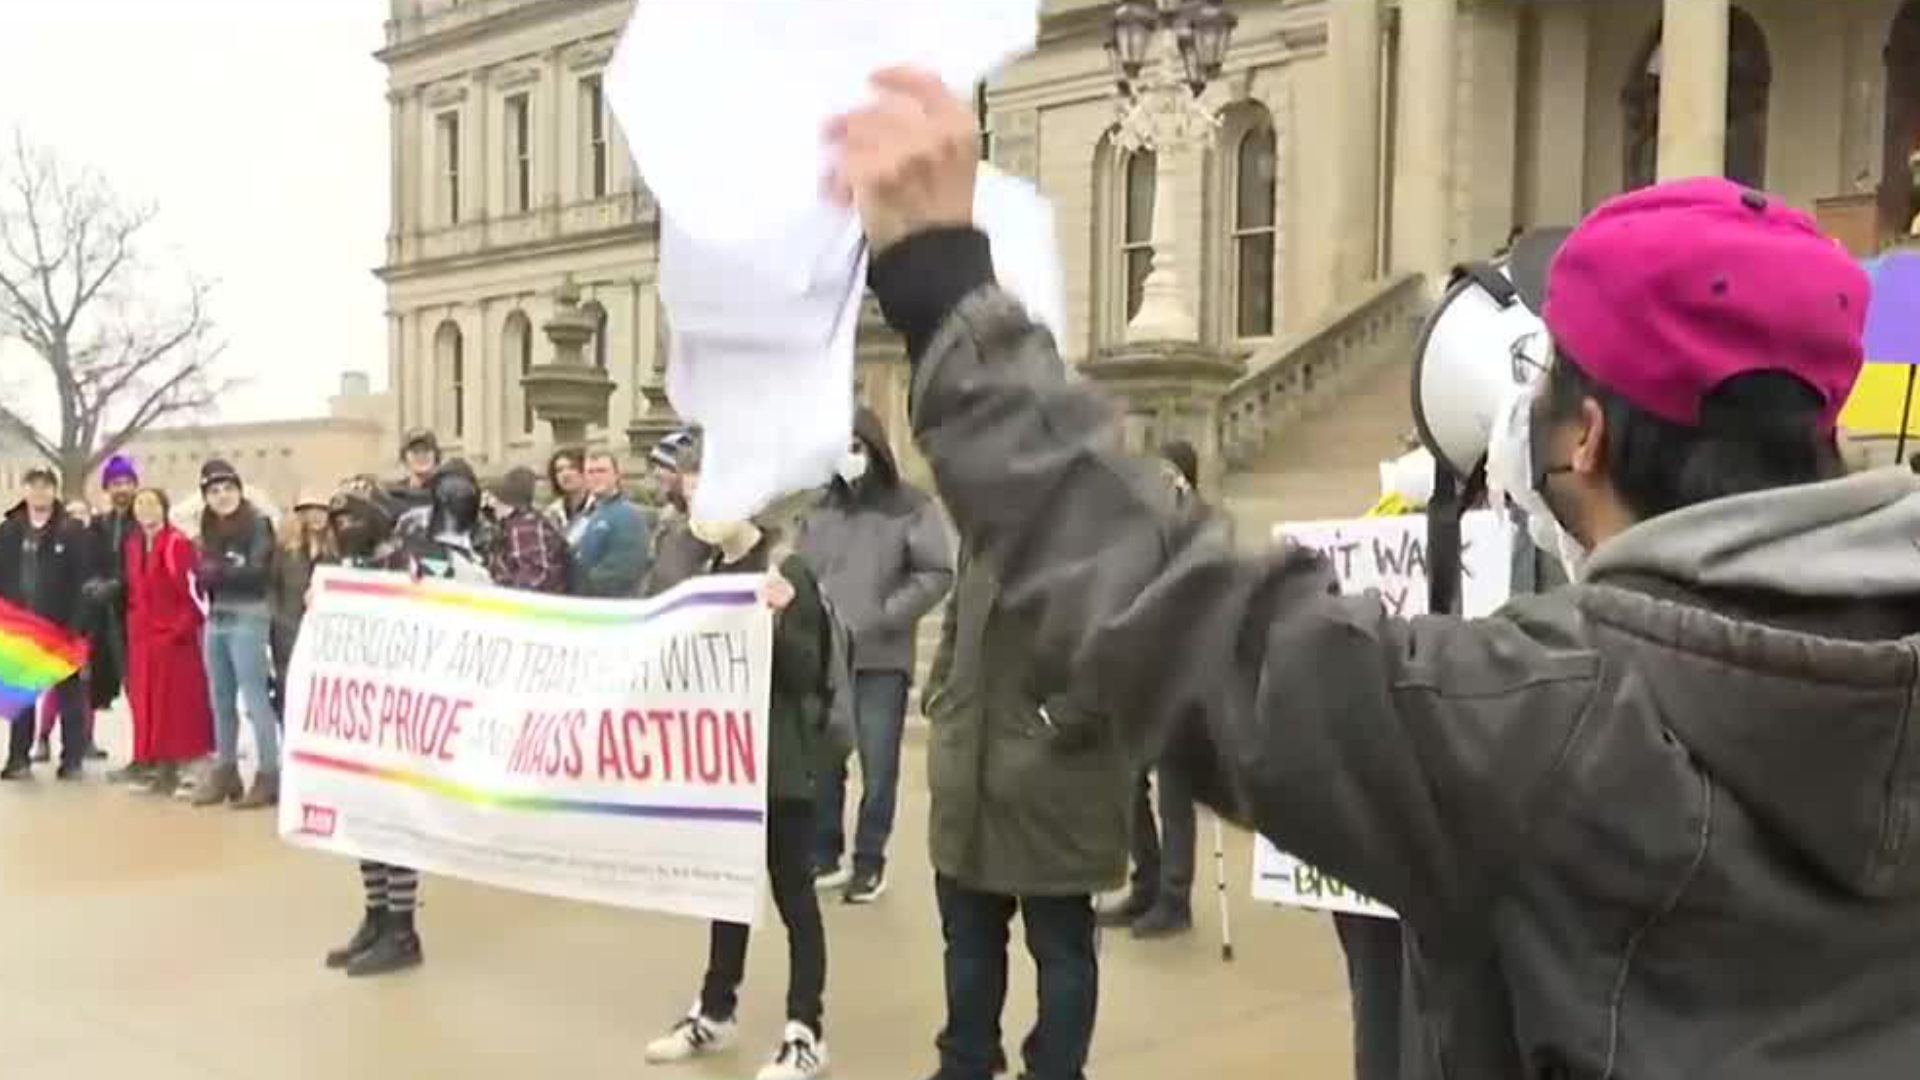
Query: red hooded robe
x=166 y=677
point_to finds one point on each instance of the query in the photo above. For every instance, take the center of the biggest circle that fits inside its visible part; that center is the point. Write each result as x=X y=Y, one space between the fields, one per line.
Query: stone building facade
x=1362 y=143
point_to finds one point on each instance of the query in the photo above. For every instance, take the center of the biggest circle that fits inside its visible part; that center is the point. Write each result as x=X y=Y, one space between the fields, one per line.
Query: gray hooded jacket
x=882 y=553
x=1664 y=823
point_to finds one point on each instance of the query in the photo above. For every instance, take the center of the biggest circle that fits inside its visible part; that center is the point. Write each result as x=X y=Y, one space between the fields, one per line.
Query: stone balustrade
x=1304 y=370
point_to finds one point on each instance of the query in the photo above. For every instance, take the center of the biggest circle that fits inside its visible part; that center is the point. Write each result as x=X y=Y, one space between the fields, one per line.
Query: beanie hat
x=118 y=467
x=217 y=470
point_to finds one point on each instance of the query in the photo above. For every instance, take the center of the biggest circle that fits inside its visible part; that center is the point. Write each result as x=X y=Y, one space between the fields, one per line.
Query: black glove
x=212 y=571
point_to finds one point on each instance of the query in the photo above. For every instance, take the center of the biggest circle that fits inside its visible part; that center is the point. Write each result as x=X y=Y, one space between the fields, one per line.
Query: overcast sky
x=258 y=128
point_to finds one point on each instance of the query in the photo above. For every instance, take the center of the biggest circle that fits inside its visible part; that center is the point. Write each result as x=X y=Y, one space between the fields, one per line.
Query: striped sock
x=403 y=890
x=374 y=878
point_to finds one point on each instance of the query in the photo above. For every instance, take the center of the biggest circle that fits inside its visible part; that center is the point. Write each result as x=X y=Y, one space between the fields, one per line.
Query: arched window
x=516 y=351
x=1255 y=197
x=1749 y=92
x=598 y=314
x=450 y=368
x=1136 y=225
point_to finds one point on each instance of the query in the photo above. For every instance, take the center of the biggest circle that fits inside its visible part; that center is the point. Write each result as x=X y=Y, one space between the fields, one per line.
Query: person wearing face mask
x=1160 y=902
x=236 y=556
x=882 y=552
x=796 y=724
x=166 y=683
x=443 y=538
x=43 y=561
x=387 y=939
x=1655 y=823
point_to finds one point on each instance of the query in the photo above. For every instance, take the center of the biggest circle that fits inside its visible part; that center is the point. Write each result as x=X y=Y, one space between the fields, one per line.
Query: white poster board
x=1389 y=556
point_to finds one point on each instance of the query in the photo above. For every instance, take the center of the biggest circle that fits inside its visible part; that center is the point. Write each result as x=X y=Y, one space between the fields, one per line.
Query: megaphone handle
x=1443 y=544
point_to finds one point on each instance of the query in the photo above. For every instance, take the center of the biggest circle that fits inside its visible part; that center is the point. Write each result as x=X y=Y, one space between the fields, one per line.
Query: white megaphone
x=1485 y=338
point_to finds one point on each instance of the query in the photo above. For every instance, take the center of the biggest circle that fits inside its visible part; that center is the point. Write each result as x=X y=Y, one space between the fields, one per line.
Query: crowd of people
x=198 y=627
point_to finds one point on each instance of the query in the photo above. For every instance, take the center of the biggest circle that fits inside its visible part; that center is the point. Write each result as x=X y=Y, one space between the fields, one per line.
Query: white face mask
x=1510 y=478
x=852 y=466
x=733 y=538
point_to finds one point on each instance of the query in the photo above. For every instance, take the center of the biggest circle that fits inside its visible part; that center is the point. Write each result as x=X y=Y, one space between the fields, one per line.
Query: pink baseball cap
x=1664 y=293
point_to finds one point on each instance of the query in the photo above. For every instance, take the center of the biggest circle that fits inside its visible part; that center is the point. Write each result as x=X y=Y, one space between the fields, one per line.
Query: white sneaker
x=695 y=1036
x=836 y=878
x=802 y=1056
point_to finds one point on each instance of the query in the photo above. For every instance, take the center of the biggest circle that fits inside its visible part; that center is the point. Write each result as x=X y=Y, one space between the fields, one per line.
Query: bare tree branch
x=74 y=290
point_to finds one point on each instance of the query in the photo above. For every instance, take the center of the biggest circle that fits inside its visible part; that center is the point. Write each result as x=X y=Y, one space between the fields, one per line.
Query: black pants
x=790 y=830
x=1060 y=938
x=1374 y=965
x=1163 y=857
x=70 y=697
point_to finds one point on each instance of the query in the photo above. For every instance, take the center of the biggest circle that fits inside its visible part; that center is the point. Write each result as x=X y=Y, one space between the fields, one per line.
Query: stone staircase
x=1306 y=429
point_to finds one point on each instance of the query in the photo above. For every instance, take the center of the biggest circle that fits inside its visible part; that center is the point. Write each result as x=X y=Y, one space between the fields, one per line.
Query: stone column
x=1353 y=44
x=1423 y=171
x=1165 y=314
x=1693 y=89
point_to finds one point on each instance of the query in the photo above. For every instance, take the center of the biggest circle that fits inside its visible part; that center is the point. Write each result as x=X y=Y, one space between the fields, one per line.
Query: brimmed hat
x=311 y=500
x=1664 y=294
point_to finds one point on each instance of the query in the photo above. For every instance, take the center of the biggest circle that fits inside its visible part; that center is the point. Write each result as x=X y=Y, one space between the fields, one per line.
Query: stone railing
x=1298 y=373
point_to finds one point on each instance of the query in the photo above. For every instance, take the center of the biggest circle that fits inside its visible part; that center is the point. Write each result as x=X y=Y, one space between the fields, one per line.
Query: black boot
x=361 y=940
x=396 y=948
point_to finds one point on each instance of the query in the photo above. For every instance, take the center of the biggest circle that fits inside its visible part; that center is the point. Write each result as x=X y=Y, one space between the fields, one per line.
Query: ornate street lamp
x=1165 y=55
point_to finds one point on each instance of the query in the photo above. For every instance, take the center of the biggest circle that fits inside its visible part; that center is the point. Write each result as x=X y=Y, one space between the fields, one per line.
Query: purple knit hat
x=118 y=467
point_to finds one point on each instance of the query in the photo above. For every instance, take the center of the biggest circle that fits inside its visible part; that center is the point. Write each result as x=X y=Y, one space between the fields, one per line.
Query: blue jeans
x=238 y=669
x=879 y=718
x=1060 y=938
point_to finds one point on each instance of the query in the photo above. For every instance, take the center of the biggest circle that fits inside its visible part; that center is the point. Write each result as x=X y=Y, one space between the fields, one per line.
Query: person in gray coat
x=881 y=551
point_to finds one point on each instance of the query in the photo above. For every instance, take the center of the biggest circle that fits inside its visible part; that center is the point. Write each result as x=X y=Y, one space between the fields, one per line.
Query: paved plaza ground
x=145 y=939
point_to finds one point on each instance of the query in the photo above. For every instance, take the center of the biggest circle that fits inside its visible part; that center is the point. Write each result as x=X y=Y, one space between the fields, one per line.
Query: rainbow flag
x=1893 y=347
x=35 y=655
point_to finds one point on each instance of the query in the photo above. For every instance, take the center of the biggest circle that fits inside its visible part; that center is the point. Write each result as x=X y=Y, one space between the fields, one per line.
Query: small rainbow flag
x=35 y=655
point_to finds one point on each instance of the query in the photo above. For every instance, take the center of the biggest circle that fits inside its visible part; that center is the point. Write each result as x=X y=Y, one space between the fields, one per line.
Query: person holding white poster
x=796 y=719
x=1654 y=824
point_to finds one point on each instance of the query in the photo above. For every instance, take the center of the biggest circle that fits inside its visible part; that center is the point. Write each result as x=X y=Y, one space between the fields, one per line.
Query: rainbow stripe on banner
x=473 y=796
x=535 y=606
x=35 y=656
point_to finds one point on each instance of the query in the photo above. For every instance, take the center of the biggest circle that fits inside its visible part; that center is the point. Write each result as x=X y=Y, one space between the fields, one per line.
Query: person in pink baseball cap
x=1661 y=822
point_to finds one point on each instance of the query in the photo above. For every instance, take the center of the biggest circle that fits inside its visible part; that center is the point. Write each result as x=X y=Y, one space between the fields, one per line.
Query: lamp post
x=1165 y=56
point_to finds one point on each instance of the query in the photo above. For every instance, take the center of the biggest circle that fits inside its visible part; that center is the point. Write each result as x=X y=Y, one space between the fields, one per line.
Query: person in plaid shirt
x=529 y=551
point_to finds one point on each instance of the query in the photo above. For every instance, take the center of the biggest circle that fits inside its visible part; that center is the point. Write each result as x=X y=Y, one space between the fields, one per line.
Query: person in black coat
x=43 y=563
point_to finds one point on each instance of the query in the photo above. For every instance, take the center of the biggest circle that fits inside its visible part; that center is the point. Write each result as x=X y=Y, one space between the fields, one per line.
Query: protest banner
x=611 y=751
x=1388 y=556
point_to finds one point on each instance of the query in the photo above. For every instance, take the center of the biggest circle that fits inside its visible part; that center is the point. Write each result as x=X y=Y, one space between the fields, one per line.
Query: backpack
x=836 y=683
